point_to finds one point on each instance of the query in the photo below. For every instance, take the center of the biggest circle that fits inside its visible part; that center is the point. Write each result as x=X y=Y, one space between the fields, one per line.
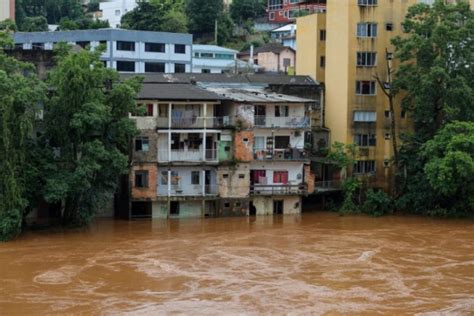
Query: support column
x=203 y=179
x=169 y=193
x=170 y=108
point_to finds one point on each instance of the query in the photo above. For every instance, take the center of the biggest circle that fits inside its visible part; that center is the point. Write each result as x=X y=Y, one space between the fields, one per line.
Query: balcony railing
x=189 y=190
x=282 y=122
x=278 y=189
x=209 y=155
x=193 y=122
x=280 y=154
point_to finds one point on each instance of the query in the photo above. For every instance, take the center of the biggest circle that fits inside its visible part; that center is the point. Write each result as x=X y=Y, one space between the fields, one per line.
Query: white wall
x=110 y=7
x=294 y=169
x=264 y=205
x=295 y=141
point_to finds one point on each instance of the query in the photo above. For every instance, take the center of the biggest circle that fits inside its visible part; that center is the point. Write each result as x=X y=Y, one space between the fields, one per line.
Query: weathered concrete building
x=219 y=145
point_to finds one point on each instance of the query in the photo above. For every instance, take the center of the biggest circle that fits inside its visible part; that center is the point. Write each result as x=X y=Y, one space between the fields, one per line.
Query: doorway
x=174 y=208
x=252 y=210
x=260 y=115
x=278 y=207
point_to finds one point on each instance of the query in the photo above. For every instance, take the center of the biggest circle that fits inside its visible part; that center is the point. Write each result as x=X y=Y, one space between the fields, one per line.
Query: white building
x=126 y=51
x=286 y=35
x=213 y=59
x=113 y=10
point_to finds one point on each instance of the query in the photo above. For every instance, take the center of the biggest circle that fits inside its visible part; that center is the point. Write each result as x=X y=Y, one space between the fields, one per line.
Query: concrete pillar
x=203 y=180
x=170 y=107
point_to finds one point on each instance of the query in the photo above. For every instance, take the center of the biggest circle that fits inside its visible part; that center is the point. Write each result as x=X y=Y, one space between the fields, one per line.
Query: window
x=206 y=71
x=126 y=66
x=155 y=47
x=271 y=16
x=225 y=176
x=195 y=177
x=194 y=141
x=403 y=114
x=126 y=46
x=364 y=3
x=286 y=62
x=142 y=144
x=367 y=30
x=207 y=55
x=366 y=59
x=179 y=68
x=174 y=178
x=196 y=55
x=164 y=178
x=280 y=177
x=179 y=49
x=163 y=110
x=175 y=142
x=365 y=116
x=227 y=205
x=141 y=179
x=275 y=4
x=281 y=111
x=322 y=35
x=282 y=142
x=387 y=136
x=83 y=44
x=365 y=87
x=387 y=114
x=154 y=67
x=241 y=176
x=364 y=167
x=322 y=61
x=389 y=27
x=365 y=140
x=225 y=56
x=117 y=12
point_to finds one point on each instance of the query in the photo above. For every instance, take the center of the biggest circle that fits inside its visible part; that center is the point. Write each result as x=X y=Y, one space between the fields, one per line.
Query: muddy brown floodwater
x=310 y=264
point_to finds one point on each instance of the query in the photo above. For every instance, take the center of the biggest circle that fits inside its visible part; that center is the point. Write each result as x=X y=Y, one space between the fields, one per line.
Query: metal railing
x=280 y=154
x=187 y=155
x=193 y=122
x=278 y=189
x=189 y=190
x=281 y=122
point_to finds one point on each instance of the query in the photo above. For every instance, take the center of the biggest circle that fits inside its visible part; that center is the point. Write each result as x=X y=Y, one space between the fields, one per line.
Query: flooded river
x=310 y=264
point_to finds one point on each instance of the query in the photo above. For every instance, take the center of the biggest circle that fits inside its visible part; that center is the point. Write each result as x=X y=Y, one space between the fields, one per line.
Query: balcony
x=291 y=154
x=187 y=190
x=328 y=186
x=208 y=155
x=282 y=122
x=193 y=122
x=278 y=189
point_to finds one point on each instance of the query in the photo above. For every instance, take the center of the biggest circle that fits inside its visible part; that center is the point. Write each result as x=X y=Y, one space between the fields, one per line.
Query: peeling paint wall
x=264 y=205
x=234 y=181
x=149 y=193
x=150 y=155
x=243 y=144
x=309 y=178
x=187 y=209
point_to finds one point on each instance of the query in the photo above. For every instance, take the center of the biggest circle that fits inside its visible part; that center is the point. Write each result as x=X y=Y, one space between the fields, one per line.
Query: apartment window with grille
x=142 y=144
x=365 y=140
x=126 y=66
x=155 y=47
x=141 y=179
x=365 y=116
x=195 y=177
x=367 y=29
x=126 y=46
x=179 y=49
x=366 y=3
x=364 y=167
x=179 y=68
x=366 y=59
x=322 y=61
x=155 y=67
x=322 y=35
x=365 y=87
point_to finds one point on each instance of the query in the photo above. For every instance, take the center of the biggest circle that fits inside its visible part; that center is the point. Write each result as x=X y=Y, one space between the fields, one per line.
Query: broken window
x=195 y=177
x=141 y=144
x=282 y=111
x=282 y=142
x=141 y=179
x=365 y=87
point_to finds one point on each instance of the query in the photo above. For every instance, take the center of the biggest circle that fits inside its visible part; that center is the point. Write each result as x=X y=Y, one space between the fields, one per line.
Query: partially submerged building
x=220 y=145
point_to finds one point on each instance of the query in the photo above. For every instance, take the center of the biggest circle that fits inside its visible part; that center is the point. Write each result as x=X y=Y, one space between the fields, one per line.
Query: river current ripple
x=313 y=264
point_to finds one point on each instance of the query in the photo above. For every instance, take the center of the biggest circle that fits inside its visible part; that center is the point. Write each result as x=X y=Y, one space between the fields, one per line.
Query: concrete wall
x=311 y=47
x=264 y=205
x=187 y=209
x=294 y=168
x=237 y=182
x=150 y=155
x=243 y=149
x=7 y=9
x=272 y=62
x=296 y=137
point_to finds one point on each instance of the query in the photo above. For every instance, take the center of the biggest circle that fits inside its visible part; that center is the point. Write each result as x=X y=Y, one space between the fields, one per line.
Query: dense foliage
x=202 y=14
x=243 y=10
x=20 y=95
x=438 y=78
x=157 y=15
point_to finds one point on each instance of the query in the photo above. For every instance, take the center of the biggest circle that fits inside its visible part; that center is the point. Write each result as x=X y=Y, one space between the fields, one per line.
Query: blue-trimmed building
x=127 y=50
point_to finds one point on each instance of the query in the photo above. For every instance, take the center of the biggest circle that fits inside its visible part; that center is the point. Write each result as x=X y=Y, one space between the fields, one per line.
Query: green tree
x=88 y=130
x=52 y=10
x=449 y=167
x=156 y=15
x=34 y=24
x=20 y=94
x=243 y=10
x=436 y=75
x=203 y=14
x=225 y=29
x=85 y=23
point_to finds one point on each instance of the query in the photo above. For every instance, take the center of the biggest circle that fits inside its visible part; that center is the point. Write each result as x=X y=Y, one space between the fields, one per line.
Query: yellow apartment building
x=345 y=48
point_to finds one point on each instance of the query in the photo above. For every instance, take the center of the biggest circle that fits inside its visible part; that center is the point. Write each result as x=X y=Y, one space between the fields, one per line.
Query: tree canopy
x=437 y=77
x=157 y=15
x=242 y=10
x=202 y=14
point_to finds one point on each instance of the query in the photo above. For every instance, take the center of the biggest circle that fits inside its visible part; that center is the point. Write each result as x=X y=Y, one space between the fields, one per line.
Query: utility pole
x=216 y=30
